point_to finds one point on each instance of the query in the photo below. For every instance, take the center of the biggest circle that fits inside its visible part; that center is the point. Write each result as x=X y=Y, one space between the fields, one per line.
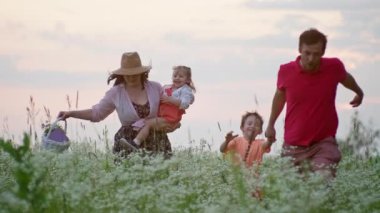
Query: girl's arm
x=186 y=97
x=229 y=137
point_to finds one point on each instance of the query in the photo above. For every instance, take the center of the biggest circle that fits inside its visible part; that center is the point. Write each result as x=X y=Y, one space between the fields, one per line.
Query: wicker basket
x=55 y=139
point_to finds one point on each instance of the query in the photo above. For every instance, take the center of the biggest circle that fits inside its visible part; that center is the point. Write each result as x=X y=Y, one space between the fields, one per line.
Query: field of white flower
x=84 y=179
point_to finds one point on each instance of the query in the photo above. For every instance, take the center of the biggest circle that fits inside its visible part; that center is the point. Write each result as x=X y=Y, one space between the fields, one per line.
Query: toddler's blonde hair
x=187 y=71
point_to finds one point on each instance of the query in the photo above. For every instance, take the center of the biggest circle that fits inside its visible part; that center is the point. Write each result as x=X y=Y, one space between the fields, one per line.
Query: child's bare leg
x=154 y=123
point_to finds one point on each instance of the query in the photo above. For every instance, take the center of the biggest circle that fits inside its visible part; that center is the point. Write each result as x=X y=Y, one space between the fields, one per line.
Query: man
x=308 y=86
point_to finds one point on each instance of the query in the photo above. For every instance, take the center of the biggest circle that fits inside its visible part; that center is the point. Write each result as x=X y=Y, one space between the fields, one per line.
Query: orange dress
x=238 y=148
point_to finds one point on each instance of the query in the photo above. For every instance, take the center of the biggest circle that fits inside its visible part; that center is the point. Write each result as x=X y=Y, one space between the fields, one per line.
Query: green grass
x=193 y=180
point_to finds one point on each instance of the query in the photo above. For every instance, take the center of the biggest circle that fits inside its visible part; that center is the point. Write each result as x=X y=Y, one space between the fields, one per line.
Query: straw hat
x=131 y=65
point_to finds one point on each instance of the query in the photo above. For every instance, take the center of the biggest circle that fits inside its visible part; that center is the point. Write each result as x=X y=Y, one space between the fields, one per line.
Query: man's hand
x=270 y=134
x=350 y=83
x=356 y=101
x=266 y=145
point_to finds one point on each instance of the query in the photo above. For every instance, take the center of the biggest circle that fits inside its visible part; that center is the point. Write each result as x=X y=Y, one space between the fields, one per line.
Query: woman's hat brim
x=132 y=71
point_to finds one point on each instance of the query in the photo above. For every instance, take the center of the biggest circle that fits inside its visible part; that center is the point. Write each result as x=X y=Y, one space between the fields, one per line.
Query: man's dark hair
x=312 y=36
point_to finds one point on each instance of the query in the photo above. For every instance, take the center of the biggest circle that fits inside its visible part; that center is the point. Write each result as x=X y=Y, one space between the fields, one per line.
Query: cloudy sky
x=51 y=50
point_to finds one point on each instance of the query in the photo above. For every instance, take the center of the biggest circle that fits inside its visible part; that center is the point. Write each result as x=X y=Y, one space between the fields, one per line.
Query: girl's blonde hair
x=187 y=70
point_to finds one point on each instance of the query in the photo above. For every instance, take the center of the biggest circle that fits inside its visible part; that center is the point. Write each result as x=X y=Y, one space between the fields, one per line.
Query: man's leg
x=327 y=158
x=300 y=156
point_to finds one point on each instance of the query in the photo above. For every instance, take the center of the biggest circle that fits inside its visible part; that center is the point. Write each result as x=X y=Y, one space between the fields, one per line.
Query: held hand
x=266 y=145
x=230 y=136
x=270 y=134
x=356 y=101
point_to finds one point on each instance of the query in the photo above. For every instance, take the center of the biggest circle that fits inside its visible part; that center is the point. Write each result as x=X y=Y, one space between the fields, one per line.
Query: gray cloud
x=360 y=21
x=358 y=16
x=314 y=5
x=9 y=75
x=365 y=75
x=59 y=35
x=228 y=61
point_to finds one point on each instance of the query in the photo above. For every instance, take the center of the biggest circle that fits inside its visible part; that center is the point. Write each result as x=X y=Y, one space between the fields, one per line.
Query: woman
x=134 y=98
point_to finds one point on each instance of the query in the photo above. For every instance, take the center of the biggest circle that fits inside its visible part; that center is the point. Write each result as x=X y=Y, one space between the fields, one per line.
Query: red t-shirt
x=310 y=100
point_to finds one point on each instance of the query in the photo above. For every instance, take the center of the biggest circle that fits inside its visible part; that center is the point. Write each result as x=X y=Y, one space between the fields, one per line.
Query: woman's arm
x=170 y=100
x=98 y=112
x=81 y=114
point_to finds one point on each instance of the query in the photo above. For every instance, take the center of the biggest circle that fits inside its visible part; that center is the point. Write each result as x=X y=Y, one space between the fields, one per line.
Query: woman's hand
x=170 y=100
x=171 y=128
x=165 y=99
x=85 y=114
x=62 y=115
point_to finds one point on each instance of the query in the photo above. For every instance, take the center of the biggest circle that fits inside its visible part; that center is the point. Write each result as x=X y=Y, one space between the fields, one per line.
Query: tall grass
x=87 y=179
x=193 y=180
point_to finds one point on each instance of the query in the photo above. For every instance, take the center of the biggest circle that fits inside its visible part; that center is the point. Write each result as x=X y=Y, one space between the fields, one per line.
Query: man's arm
x=278 y=104
x=350 y=83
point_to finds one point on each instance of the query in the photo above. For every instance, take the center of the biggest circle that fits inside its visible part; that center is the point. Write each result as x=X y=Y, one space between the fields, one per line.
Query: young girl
x=247 y=148
x=176 y=99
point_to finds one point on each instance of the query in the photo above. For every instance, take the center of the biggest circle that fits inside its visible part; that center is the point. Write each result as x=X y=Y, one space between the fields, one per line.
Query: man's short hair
x=312 y=36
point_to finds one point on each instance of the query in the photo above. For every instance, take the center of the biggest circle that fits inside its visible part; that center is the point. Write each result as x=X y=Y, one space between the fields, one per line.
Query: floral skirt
x=156 y=142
